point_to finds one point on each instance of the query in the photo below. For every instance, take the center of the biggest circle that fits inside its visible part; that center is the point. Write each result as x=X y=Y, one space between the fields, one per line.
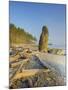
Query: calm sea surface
x=58 y=46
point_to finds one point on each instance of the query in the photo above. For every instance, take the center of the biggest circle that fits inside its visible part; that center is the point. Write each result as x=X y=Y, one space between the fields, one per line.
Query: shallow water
x=34 y=63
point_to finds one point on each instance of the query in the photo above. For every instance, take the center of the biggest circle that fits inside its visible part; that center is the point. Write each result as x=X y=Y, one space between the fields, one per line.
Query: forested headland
x=19 y=35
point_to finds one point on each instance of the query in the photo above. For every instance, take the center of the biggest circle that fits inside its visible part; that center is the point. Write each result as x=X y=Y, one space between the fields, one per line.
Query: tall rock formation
x=43 y=42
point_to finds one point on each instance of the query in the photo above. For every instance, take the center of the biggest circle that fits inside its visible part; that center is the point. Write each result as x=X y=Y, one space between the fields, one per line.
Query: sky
x=33 y=16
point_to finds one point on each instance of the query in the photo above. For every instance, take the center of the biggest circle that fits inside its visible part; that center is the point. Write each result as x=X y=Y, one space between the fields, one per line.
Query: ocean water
x=57 y=46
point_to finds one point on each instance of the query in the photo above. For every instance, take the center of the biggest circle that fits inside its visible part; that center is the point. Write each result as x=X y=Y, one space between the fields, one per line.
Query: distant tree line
x=19 y=35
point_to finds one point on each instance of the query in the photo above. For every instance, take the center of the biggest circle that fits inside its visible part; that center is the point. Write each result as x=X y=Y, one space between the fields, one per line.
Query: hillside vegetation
x=19 y=35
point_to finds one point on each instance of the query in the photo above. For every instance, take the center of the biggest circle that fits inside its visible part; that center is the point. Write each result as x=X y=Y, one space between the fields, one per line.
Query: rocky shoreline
x=26 y=59
x=57 y=51
x=40 y=79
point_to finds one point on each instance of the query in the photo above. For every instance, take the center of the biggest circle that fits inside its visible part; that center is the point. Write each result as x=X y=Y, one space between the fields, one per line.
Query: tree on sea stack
x=43 y=42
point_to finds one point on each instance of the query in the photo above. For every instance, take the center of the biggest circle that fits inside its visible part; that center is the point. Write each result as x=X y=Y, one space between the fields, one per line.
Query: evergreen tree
x=19 y=35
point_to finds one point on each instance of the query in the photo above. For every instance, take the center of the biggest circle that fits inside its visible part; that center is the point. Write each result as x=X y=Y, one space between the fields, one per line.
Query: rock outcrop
x=43 y=42
x=57 y=51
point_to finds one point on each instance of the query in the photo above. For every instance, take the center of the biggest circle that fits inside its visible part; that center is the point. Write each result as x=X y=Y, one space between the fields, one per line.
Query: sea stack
x=43 y=42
